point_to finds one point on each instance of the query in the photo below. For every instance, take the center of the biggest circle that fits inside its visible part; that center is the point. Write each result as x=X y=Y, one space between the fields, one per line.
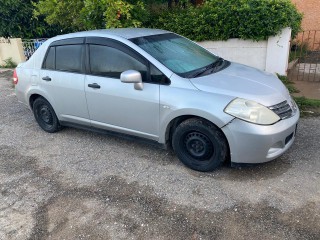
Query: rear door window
x=69 y=58
x=65 y=58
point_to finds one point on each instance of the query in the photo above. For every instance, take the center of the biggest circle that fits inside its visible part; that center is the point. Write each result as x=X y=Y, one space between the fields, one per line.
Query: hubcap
x=45 y=114
x=198 y=145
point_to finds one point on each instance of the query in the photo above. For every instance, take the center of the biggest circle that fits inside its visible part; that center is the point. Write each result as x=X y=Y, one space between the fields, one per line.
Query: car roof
x=126 y=33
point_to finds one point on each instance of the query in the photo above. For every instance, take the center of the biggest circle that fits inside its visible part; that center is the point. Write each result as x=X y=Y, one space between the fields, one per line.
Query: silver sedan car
x=158 y=85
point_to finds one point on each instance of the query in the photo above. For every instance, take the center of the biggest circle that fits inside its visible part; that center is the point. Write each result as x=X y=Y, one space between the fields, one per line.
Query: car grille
x=283 y=110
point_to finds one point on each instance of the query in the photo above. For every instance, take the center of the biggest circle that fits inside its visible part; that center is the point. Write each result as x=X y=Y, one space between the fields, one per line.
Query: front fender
x=191 y=102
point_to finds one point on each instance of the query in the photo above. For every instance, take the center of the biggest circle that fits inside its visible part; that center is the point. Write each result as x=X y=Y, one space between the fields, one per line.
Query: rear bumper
x=21 y=96
x=251 y=143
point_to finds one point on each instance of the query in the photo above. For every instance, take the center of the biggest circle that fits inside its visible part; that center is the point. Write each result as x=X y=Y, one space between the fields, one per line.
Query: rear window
x=50 y=59
x=64 y=58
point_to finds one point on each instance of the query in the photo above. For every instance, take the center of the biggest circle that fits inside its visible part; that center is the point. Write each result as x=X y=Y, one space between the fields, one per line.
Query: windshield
x=179 y=54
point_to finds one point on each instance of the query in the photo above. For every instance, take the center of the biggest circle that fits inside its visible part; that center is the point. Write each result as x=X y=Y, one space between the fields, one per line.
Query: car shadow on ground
x=245 y=172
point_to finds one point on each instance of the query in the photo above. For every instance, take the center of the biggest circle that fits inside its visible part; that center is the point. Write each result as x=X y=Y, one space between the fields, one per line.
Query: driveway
x=81 y=185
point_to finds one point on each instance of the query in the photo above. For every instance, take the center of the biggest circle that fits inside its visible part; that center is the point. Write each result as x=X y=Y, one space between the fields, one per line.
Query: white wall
x=270 y=55
x=11 y=48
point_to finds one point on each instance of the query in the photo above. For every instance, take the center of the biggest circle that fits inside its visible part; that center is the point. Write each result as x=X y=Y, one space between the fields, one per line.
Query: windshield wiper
x=213 y=66
x=218 y=62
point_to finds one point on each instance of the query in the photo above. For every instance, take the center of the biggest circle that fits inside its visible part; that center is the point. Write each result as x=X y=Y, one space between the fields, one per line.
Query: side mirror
x=132 y=76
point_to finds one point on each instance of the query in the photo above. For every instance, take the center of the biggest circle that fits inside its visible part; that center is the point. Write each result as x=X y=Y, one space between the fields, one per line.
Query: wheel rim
x=198 y=146
x=45 y=115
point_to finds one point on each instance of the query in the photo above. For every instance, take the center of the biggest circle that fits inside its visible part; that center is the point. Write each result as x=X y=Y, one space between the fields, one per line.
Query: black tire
x=45 y=115
x=200 y=145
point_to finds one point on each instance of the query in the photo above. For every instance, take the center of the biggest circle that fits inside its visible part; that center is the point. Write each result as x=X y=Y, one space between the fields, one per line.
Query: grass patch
x=8 y=63
x=288 y=84
x=304 y=102
x=298 y=50
x=308 y=107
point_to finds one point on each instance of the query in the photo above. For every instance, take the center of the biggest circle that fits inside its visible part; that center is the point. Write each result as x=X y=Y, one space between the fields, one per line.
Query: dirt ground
x=81 y=185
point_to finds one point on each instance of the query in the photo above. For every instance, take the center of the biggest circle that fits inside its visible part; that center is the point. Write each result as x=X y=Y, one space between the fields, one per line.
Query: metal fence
x=31 y=45
x=305 y=57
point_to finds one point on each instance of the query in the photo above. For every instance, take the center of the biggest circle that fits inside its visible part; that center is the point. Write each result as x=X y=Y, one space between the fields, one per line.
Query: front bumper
x=251 y=143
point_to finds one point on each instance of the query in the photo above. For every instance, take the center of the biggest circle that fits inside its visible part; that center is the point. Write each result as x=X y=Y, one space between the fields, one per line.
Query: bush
x=224 y=19
x=288 y=84
x=123 y=14
x=298 y=50
x=8 y=63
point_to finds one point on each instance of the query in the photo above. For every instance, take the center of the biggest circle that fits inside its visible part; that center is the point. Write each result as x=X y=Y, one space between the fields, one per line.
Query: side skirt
x=115 y=134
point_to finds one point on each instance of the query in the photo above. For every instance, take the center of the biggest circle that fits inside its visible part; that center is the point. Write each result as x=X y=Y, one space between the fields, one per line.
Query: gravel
x=76 y=184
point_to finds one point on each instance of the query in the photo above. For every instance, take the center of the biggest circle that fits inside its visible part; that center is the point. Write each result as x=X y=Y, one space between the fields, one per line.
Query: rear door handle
x=94 y=85
x=46 y=78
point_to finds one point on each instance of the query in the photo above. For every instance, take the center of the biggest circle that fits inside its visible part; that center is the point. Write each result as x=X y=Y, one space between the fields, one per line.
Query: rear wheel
x=199 y=145
x=45 y=115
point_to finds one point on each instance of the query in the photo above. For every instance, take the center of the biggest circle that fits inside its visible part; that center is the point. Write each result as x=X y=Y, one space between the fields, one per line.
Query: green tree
x=62 y=13
x=92 y=14
x=75 y=15
x=16 y=20
x=120 y=13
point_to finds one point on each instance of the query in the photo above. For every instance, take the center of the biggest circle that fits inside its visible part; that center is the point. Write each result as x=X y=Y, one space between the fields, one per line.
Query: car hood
x=242 y=81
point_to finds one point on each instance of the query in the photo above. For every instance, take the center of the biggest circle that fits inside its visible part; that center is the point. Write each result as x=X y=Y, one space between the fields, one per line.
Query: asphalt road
x=77 y=184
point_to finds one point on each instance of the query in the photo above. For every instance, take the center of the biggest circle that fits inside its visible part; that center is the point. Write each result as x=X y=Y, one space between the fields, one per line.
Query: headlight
x=251 y=111
x=293 y=105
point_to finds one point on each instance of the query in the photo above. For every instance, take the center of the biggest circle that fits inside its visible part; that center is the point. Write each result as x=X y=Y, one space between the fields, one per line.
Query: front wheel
x=45 y=115
x=199 y=145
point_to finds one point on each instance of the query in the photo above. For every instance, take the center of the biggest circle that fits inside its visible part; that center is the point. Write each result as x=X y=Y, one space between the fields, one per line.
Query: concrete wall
x=270 y=55
x=11 y=48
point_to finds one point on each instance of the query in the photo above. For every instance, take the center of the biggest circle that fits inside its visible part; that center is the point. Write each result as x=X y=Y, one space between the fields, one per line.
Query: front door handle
x=46 y=78
x=94 y=85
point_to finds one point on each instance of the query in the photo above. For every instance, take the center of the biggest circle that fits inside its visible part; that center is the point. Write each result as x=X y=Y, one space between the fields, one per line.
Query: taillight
x=15 y=77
